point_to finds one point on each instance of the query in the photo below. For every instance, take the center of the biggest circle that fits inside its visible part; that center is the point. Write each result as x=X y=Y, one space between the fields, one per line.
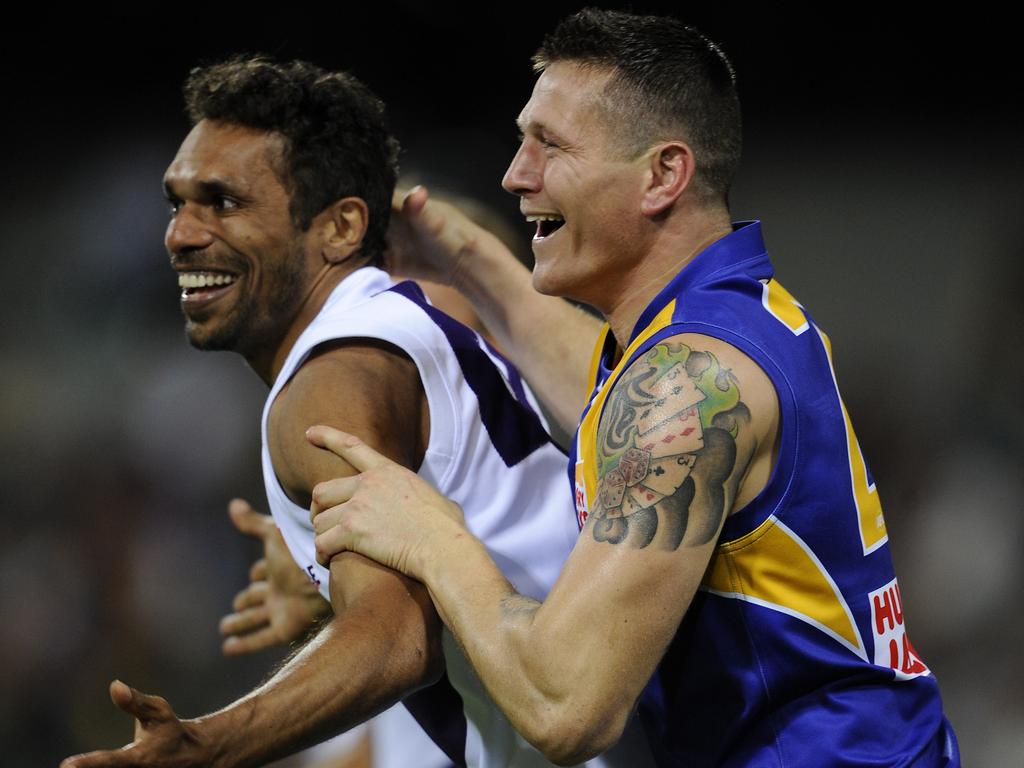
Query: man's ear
x=343 y=224
x=671 y=172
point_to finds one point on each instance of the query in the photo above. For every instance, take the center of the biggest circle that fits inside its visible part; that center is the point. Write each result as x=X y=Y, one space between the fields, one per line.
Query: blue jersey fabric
x=794 y=652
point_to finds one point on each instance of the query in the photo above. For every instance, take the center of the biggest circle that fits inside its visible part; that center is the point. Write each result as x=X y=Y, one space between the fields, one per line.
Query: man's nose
x=524 y=173
x=187 y=231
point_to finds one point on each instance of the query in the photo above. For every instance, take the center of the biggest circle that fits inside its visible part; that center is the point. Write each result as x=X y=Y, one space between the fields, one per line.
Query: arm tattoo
x=666 y=448
x=518 y=605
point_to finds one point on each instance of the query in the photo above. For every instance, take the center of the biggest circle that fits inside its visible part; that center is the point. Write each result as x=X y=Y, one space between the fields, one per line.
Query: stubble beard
x=250 y=325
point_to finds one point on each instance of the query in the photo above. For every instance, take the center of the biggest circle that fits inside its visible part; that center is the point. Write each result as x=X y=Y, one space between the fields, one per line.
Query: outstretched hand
x=386 y=512
x=280 y=604
x=161 y=739
x=430 y=239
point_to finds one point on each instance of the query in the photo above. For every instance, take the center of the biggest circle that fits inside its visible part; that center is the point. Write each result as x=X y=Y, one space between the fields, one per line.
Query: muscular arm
x=548 y=339
x=383 y=641
x=686 y=436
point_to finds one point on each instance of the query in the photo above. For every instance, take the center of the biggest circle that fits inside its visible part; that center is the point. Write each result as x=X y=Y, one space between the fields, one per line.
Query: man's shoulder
x=360 y=385
x=685 y=364
x=345 y=374
x=688 y=394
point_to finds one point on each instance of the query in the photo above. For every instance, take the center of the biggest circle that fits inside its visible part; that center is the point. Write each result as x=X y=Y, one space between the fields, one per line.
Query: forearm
x=362 y=662
x=549 y=339
x=536 y=665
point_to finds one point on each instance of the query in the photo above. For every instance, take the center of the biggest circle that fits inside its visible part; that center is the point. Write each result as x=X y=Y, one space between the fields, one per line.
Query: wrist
x=448 y=541
x=450 y=551
x=211 y=734
x=485 y=267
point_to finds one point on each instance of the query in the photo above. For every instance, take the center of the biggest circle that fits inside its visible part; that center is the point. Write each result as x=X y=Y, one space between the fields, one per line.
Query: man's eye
x=222 y=203
x=173 y=206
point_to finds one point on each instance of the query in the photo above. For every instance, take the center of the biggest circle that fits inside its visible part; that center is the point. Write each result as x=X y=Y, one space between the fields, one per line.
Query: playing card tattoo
x=666 y=447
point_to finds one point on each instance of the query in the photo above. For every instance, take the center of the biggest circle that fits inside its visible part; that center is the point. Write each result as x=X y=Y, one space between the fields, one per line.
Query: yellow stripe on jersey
x=773 y=567
x=586 y=435
x=873 y=532
x=595 y=359
x=780 y=303
x=658 y=322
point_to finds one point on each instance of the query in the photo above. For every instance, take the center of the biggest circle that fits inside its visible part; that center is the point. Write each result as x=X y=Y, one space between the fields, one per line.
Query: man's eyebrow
x=209 y=187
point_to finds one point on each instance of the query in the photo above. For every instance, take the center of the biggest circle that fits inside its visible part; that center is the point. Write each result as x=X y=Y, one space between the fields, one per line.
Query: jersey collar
x=744 y=243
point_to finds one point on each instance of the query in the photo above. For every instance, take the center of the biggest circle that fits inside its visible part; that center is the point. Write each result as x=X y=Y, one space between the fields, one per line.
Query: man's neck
x=671 y=251
x=268 y=361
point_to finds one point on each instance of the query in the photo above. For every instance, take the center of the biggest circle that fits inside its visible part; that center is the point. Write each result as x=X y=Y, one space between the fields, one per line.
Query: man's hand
x=280 y=604
x=161 y=739
x=429 y=239
x=386 y=512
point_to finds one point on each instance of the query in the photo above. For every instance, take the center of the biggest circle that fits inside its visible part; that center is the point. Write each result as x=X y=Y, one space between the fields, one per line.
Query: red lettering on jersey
x=912 y=663
x=581 y=506
x=582 y=513
x=892 y=646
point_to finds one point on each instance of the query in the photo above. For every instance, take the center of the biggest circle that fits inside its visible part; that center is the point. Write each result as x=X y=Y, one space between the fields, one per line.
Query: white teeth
x=545 y=217
x=203 y=279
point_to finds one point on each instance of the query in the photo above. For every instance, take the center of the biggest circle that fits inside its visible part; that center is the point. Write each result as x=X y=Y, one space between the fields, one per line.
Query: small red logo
x=892 y=646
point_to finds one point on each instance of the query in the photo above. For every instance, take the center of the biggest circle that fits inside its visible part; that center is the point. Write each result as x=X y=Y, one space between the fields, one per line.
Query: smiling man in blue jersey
x=732 y=579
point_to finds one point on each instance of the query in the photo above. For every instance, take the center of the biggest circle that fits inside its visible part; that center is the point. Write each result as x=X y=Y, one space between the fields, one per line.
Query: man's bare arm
x=548 y=339
x=384 y=640
x=568 y=671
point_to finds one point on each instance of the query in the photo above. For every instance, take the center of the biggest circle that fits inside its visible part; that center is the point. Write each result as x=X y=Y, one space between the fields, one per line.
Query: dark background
x=883 y=153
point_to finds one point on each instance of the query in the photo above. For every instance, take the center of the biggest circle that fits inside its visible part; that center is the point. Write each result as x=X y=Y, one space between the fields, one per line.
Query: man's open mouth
x=204 y=284
x=546 y=224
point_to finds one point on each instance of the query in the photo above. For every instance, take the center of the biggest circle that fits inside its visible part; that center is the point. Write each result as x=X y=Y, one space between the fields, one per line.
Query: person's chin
x=543 y=283
x=205 y=336
x=550 y=281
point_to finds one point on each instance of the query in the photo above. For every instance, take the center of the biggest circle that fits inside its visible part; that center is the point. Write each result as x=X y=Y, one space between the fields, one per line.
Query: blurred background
x=883 y=153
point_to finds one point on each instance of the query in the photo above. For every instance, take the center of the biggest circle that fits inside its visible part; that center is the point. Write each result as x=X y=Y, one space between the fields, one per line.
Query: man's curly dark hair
x=336 y=140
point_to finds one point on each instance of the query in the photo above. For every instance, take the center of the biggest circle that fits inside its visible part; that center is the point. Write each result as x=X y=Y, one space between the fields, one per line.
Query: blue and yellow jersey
x=794 y=652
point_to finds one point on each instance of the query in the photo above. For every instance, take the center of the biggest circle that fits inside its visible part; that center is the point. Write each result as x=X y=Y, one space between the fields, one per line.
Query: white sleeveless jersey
x=489 y=451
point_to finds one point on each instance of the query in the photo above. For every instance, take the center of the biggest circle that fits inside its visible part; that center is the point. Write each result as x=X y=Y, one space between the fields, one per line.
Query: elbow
x=433 y=664
x=572 y=734
x=424 y=662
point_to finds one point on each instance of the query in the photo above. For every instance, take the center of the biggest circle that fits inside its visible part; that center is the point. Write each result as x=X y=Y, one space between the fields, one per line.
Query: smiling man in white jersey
x=279 y=200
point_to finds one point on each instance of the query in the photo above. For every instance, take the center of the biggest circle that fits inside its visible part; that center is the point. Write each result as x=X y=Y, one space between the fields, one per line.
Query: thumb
x=414 y=200
x=248 y=520
x=141 y=706
x=348 y=447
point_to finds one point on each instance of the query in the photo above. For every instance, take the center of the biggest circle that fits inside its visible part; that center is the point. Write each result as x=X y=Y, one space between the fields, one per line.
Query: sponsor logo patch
x=892 y=646
x=582 y=513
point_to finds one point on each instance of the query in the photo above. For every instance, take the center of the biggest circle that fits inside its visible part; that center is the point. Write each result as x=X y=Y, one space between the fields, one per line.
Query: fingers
x=258 y=571
x=239 y=645
x=245 y=622
x=116 y=758
x=144 y=708
x=331 y=542
x=348 y=447
x=327 y=519
x=415 y=200
x=248 y=520
x=253 y=595
x=248 y=632
x=331 y=493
